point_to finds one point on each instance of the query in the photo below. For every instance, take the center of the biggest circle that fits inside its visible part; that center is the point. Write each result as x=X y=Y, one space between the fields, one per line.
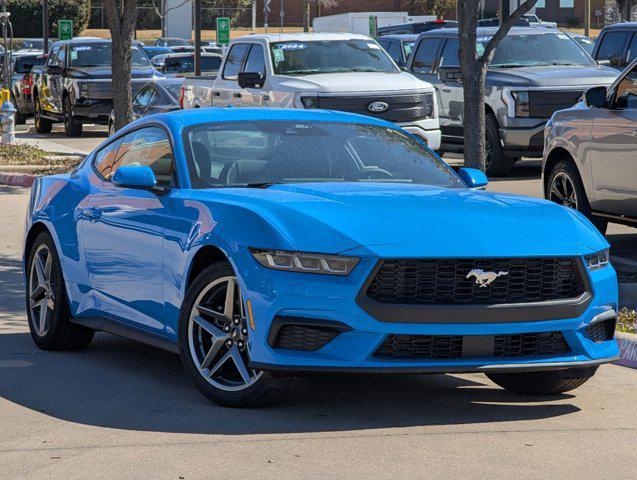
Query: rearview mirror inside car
x=135 y=176
x=596 y=97
x=449 y=74
x=250 y=79
x=473 y=177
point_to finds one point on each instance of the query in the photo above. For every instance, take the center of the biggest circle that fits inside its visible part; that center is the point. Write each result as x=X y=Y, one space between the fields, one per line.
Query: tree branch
x=502 y=32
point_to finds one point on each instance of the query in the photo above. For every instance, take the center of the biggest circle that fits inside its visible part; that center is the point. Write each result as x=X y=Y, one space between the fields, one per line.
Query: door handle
x=446 y=90
x=236 y=95
x=92 y=213
x=216 y=94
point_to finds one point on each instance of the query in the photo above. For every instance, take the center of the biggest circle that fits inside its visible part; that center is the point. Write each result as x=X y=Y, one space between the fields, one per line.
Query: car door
x=122 y=230
x=450 y=91
x=226 y=88
x=255 y=63
x=50 y=78
x=612 y=150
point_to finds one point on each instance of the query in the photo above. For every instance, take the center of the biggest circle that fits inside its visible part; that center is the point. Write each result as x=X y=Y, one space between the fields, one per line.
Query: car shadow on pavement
x=12 y=302
x=117 y=383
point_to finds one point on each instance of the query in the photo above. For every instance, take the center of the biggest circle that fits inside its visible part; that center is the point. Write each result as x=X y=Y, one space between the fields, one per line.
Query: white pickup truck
x=334 y=71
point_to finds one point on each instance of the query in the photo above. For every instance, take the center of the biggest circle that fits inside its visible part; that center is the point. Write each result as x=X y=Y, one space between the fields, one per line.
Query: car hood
x=394 y=220
x=106 y=73
x=558 y=76
x=356 y=82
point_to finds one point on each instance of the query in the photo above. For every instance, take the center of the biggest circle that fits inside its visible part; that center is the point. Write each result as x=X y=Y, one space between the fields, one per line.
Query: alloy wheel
x=563 y=192
x=218 y=336
x=41 y=290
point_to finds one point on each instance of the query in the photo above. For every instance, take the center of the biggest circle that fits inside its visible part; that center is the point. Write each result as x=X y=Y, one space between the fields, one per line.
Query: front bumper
x=333 y=299
x=428 y=130
x=525 y=140
x=92 y=110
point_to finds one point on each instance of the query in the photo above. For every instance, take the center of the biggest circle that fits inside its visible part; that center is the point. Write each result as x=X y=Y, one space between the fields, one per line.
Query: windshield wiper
x=250 y=185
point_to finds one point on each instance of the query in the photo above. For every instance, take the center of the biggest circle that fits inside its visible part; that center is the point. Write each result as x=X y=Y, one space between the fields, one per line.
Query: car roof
x=408 y=37
x=301 y=37
x=621 y=26
x=490 y=31
x=196 y=116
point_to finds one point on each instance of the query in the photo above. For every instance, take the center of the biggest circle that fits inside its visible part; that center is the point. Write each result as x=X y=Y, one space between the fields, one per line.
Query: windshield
x=25 y=63
x=260 y=153
x=99 y=55
x=174 y=89
x=33 y=43
x=333 y=56
x=536 y=50
x=187 y=64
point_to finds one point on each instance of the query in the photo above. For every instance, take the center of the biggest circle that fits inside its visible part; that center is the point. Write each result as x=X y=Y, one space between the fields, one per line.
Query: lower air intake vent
x=601 y=331
x=443 y=347
x=296 y=333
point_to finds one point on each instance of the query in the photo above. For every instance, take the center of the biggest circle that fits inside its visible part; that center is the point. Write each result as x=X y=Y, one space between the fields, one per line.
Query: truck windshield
x=261 y=153
x=537 y=51
x=99 y=55
x=329 y=56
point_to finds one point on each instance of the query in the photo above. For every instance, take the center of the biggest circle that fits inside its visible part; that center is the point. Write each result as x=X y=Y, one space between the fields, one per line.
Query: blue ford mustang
x=261 y=244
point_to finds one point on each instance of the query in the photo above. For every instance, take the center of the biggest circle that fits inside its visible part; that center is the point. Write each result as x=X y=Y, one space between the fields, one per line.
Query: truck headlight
x=522 y=105
x=310 y=102
x=597 y=260
x=83 y=89
x=305 y=262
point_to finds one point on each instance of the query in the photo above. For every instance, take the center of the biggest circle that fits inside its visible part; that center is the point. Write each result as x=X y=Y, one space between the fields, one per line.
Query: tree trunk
x=306 y=15
x=121 y=19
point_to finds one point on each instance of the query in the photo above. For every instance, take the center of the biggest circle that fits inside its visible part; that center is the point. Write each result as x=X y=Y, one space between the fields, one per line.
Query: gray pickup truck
x=534 y=72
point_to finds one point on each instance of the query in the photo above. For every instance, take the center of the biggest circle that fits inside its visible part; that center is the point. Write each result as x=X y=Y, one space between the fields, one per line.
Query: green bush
x=26 y=16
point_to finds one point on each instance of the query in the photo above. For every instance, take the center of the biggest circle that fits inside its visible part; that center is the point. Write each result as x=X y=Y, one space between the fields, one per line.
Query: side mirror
x=134 y=176
x=472 y=177
x=250 y=79
x=605 y=63
x=596 y=97
x=449 y=74
x=54 y=69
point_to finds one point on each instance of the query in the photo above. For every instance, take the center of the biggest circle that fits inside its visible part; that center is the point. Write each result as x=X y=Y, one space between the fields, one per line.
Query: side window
x=53 y=56
x=145 y=96
x=626 y=93
x=450 y=54
x=632 y=49
x=234 y=60
x=425 y=56
x=256 y=60
x=61 y=60
x=150 y=147
x=394 y=52
x=104 y=159
x=612 y=47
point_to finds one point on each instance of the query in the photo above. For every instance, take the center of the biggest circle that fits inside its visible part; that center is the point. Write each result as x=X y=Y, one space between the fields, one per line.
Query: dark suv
x=75 y=87
x=534 y=72
x=616 y=45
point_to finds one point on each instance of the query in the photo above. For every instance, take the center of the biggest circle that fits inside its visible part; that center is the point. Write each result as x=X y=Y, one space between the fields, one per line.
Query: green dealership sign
x=223 y=30
x=65 y=29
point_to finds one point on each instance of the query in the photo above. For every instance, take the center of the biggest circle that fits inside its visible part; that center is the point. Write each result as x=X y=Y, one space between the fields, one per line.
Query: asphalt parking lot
x=124 y=410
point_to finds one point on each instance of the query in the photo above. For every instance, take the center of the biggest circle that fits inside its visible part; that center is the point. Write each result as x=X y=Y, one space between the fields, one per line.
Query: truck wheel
x=72 y=127
x=565 y=187
x=497 y=163
x=20 y=118
x=42 y=125
x=543 y=383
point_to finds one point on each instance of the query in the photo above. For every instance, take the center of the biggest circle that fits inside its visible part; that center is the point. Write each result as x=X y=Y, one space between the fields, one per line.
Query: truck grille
x=401 y=108
x=445 y=282
x=446 y=347
x=104 y=90
x=543 y=103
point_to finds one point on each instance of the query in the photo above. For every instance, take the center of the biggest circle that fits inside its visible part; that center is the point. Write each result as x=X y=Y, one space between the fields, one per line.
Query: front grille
x=543 y=103
x=445 y=282
x=445 y=347
x=103 y=90
x=401 y=108
x=601 y=331
x=302 y=337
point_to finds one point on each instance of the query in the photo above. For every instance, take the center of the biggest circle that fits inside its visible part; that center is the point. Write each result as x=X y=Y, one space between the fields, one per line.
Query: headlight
x=522 y=105
x=597 y=260
x=310 y=102
x=305 y=262
x=83 y=88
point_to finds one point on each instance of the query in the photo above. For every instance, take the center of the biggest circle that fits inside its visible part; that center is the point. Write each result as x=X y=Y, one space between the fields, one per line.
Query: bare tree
x=474 y=71
x=122 y=15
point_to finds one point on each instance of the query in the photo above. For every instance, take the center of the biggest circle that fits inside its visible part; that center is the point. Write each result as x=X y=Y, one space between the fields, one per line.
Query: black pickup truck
x=75 y=86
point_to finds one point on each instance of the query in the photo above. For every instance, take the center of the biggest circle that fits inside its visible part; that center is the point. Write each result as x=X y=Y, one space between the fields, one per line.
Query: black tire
x=42 y=125
x=542 y=383
x=563 y=173
x=265 y=390
x=60 y=334
x=497 y=164
x=20 y=118
x=72 y=127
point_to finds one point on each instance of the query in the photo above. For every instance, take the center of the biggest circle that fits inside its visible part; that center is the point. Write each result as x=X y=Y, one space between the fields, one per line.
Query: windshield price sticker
x=82 y=49
x=292 y=46
x=278 y=55
x=374 y=46
x=484 y=39
x=562 y=36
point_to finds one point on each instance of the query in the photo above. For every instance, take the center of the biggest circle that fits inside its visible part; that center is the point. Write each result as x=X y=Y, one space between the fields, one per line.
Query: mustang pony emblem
x=484 y=278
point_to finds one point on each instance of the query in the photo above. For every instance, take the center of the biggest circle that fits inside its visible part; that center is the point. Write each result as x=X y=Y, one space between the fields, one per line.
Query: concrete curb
x=17 y=179
x=627 y=349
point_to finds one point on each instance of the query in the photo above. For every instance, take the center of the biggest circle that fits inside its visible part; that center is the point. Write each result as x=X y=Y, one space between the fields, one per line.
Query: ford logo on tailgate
x=377 y=107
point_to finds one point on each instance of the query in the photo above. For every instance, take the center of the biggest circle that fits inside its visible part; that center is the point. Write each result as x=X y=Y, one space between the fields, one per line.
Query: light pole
x=587 y=18
x=197 y=37
x=45 y=25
